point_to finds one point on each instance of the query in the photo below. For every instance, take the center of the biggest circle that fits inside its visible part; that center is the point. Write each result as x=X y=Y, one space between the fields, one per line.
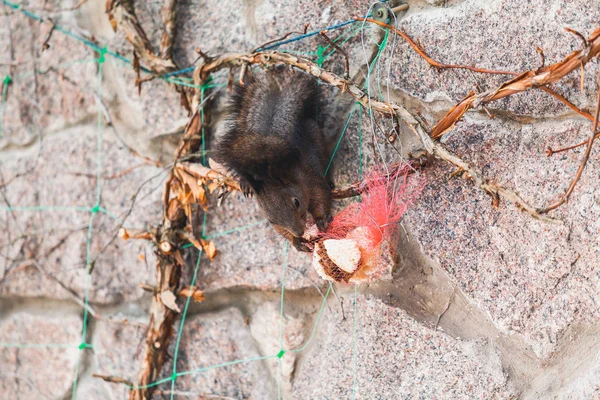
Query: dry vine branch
x=121 y=13
x=567 y=103
x=113 y=379
x=166 y=43
x=546 y=89
x=584 y=160
x=278 y=39
x=181 y=194
x=341 y=51
x=527 y=80
x=167 y=236
x=433 y=148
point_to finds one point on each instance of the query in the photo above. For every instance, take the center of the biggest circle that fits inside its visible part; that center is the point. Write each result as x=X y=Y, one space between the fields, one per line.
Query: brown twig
x=566 y=102
x=579 y=35
x=342 y=52
x=46 y=44
x=550 y=151
x=430 y=60
x=254 y=50
x=541 y=53
x=583 y=163
x=113 y=379
x=585 y=43
x=573 y=107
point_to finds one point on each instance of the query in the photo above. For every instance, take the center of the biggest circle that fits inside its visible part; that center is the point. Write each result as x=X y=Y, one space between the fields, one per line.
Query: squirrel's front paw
x=323 y=222
x=301 y=245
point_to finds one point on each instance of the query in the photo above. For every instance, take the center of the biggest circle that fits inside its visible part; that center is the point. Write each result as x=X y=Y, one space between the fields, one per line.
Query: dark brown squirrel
x=274 y=143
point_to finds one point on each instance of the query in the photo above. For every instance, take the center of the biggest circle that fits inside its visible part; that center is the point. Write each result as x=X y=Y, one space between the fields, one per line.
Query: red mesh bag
x=370 y=222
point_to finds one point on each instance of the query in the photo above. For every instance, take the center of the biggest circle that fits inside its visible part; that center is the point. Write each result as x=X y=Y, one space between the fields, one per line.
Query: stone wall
x=482 y=302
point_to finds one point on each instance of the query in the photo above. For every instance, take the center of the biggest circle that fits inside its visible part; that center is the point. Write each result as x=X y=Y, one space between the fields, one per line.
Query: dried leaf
x=178 y=257
x=212 y=186
x=169 y=300
x=208 y=247
x=174 y=209
x=196 y=243
x=191 y=182
x=211 y=250
x=196 y=294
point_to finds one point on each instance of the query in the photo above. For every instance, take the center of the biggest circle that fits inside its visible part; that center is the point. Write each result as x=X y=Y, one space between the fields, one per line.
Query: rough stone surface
x=396 y=357
x=62 y=173
x=214 y=339
x=119 y=348
x=482 y=302
x=45 y=366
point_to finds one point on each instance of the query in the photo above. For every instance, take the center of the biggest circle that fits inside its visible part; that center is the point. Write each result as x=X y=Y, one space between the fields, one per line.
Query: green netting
x=321 y=55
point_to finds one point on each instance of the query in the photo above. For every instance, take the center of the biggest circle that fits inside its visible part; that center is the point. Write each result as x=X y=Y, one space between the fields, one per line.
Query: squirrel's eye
x=296 y=203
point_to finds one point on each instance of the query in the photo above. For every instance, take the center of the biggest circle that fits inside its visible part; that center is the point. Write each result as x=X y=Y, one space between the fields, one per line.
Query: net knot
x=103 y=51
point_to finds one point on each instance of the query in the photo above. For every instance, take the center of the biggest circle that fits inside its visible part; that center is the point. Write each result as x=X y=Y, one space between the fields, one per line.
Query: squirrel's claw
x=246 y=188
x=301 y=245
x=323 y=223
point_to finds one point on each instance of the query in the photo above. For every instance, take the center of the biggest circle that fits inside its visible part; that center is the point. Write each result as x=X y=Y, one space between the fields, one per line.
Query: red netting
x=375 y=218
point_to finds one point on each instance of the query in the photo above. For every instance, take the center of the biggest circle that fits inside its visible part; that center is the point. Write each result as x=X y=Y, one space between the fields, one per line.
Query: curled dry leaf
x=211 y=249
x=178 y=257
x=212 y=186
x=126 y=234
x=169 y=300
x=192 y=185
x=174 y=210
x=208 y=247
x=196 y=294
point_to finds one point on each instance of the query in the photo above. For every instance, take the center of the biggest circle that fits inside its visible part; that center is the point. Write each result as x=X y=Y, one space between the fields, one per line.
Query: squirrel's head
x=285 y=205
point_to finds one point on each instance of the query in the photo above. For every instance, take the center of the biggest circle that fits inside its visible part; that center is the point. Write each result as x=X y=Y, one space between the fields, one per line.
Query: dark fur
x=274 y=143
